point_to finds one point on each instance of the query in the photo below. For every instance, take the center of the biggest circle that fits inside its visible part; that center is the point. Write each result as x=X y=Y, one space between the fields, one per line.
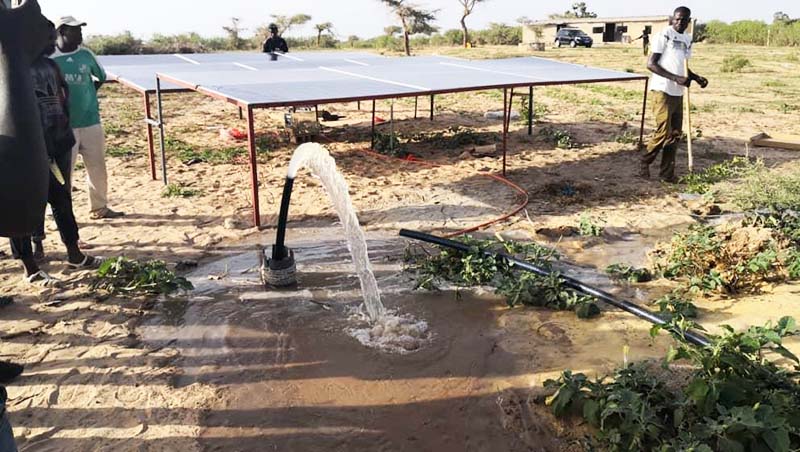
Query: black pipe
x=638 y=311
x=279 y=251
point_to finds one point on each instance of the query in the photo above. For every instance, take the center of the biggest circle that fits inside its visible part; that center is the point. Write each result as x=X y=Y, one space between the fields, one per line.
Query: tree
x=234 y=31
x=285 y=23
x=468 y=6
x=782 y=18
x=392 y=30
x=322 y=28
x=352 y=40
x=412 y=19
x=579 y=10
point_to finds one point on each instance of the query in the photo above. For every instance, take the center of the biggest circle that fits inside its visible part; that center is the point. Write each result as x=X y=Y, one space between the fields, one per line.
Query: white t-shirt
x=675 y=48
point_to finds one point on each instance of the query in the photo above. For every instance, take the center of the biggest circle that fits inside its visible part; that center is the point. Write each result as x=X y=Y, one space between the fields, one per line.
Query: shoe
x=644 y=171
x=88 y=263
x=42 y=279
x=9 y=371
x=669 y=180
x=105 y=212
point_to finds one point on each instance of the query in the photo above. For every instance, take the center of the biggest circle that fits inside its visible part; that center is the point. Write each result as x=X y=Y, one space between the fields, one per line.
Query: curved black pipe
x=279 y=251
x=638 y=311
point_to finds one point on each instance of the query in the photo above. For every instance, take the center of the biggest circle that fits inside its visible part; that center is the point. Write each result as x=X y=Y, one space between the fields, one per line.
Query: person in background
x=671 y=49
x=645 y=37
x=274 y=42
x=84 y=75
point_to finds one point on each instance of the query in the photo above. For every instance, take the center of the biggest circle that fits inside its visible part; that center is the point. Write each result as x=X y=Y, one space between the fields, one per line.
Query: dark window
x=597 y=30
x=623 y=29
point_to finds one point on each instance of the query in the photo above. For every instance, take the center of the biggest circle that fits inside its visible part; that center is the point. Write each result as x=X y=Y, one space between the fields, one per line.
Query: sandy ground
x=224 y=373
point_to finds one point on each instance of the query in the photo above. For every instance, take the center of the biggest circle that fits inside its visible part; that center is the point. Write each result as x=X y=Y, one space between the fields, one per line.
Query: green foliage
x=498 y=34
x=116 y=151
x=702 y=181
x=560 y=138
x=540 y=110
x=453 y=137
x=188 y=153
x=676 y=304
x=476 y=267
x=735 y=399
x=629 y=273
x=590 y=226
x=627 y=136
x=750 y=32
x=174 y=190
x=120 y=44
x=734 y=63
x=129 y=277
x=125 y=44
x=388 y=144
x=762 y=189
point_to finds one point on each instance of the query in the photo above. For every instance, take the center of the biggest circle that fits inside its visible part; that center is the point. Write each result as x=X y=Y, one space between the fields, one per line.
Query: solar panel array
x=254 y=79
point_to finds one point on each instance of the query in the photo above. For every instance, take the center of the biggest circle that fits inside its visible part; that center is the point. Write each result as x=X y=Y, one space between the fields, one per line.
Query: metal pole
x=161 y=131
x=151 y=152
x=241 y=113
x=316 y=113
x=572 y=283
x=416 y=102
x=251 y=144
x=359 y=105
x=431 y=107
x=372 y=146
x=644 y=110
x=391 y=128
x=530 y=110
x=505 y=128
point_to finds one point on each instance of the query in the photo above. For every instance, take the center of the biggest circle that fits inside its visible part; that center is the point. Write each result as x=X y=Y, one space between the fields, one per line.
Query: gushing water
x=316 y=158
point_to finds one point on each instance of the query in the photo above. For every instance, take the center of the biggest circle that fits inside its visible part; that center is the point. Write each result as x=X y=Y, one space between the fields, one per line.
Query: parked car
x=573 y=38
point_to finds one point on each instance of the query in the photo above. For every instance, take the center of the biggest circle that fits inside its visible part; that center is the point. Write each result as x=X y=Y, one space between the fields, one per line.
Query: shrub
x=734 y=63
x=121 y=44
x=498 y=34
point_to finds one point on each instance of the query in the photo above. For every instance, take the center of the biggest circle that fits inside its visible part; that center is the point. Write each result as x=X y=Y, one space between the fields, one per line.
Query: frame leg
x=359 y=105
x=530 y=110
x=151 y=152
x=241 y=113
x=251 y=144
x=372 y=146
x=644 y=111
x=416 y=104
x=431 y=107
x=505 y=126
x=161 y=131
x=316 y=113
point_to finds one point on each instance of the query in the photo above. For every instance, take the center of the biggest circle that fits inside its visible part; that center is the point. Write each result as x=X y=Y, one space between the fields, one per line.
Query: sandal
x=88 y=263
x=41 y=278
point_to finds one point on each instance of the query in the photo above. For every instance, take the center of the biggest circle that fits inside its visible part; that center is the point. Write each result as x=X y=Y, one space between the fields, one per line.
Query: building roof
x=588 y=20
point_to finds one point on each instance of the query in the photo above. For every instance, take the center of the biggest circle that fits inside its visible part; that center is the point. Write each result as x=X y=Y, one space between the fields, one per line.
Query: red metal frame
x=507 y=105
x=151 y=152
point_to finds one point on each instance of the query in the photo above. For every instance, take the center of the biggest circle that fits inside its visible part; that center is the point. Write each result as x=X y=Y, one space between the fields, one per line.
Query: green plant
x=627 y=137
x=130 y=277
x=560 y=138
x=629 y=273
x=187 y=153
x=676 y=303
x=174 y=190
x=590 y=226
x=453 y=137
x=734 y=63
x=734 y=399
x=702 y=181
x=762 y=189
x=388 y=144
x=115 y=151
x=476 y=267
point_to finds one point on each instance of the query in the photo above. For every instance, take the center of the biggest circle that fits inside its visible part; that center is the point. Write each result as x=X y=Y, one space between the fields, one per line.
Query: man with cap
x=84 y=75
x=274 y=42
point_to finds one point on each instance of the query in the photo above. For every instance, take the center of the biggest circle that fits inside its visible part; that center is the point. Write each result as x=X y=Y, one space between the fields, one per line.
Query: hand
x=702 y=81
x=682 y=81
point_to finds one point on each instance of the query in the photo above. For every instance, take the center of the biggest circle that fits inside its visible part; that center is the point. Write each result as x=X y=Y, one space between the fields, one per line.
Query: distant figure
x=84 y=75
x=645 y=37
x=671 y=50
x=274 y=42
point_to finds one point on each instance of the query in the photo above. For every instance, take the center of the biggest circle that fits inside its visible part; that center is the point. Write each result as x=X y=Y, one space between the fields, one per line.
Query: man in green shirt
x=84 y=75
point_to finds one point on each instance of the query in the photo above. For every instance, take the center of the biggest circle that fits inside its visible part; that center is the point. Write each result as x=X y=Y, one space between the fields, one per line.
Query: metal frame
x=249 y=108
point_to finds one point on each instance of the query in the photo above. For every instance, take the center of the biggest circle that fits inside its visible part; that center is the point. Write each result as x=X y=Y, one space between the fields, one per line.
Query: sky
x=366 y=18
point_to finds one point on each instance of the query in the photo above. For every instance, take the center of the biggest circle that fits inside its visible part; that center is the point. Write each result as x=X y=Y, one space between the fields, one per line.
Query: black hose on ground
x=572 y=283
x=279 y=251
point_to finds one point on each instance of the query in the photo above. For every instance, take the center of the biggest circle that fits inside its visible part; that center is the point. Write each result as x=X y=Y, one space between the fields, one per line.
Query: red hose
x=515 y=187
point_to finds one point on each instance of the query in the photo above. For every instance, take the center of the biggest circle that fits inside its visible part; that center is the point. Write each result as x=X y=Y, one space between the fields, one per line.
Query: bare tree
x=285 y=23
x=322 y=28
x=412 y=19
x=234 y=31
x=468 y=6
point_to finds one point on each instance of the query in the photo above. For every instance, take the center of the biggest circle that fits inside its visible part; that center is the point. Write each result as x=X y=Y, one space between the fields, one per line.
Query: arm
x=654 y=67
x=285 y=46
x=702 y=81
x=97 y=72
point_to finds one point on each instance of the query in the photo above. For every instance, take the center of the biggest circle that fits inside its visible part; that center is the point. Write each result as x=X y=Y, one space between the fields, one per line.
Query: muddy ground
x=231 y=367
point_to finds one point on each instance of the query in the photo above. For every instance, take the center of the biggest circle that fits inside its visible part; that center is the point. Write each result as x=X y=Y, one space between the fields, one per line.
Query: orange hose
x=515 y=187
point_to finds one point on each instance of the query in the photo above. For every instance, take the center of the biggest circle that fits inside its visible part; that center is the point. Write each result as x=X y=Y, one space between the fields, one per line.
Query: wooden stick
x=689 y=121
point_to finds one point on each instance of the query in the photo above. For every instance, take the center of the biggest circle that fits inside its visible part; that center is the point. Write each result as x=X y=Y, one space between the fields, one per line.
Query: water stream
x=316 y=158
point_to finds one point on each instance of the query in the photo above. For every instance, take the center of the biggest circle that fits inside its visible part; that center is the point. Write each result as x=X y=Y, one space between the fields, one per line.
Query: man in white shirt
x=671 y=48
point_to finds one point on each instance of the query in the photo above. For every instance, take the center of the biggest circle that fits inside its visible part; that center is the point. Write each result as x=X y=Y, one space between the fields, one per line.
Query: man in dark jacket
x=274 y=42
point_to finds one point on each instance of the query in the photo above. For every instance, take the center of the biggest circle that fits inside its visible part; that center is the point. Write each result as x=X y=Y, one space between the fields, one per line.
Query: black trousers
x=60 y=199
